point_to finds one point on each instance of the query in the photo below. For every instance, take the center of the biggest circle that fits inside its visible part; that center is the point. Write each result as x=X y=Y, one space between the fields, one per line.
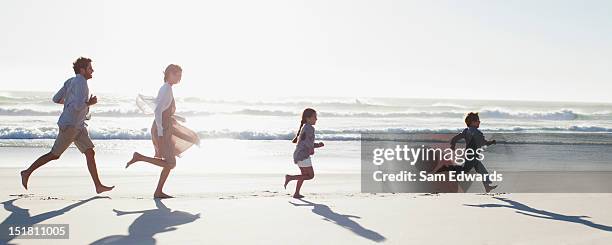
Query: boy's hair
x=81 y=62
x=471 y=117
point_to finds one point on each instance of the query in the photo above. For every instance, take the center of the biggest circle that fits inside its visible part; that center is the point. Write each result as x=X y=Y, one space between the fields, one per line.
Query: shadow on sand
x=538 y=213
x=21 y=217
x=148 y=224
x=342 y=220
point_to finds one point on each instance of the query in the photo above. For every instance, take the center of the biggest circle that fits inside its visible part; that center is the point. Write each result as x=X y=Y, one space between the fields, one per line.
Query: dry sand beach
x=240 y=209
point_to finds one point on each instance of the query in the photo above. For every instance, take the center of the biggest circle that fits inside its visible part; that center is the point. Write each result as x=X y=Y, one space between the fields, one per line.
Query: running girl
x=304 y=148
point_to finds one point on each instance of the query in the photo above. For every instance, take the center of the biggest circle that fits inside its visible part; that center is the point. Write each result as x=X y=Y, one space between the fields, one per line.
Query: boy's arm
x=456 y=138
x=481 y=141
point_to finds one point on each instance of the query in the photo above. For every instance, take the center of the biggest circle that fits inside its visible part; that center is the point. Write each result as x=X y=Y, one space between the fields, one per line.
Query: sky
x=507 y=50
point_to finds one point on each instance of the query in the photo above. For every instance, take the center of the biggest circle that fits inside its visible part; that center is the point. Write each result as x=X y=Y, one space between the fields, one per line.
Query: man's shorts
x=68 y=135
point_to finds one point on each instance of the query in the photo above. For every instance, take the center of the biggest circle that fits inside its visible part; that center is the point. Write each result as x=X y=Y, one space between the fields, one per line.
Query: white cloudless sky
x=520 y=50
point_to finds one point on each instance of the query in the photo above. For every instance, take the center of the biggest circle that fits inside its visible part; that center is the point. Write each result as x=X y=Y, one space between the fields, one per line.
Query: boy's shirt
x=474 y=138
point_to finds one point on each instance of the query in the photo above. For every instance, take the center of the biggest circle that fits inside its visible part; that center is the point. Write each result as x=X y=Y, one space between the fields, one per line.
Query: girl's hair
x=308 y=112
x=172 y=68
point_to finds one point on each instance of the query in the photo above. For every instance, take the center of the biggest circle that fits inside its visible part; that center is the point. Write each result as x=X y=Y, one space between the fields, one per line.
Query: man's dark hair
x=471 y=117
x=81 y=62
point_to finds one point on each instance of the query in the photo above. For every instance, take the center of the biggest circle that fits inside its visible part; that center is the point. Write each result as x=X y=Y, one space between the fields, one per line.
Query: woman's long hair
x=308 y=112
x=172 y=68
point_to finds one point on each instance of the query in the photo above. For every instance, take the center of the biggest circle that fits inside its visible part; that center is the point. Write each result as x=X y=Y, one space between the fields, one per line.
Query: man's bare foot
x=102 y=188
x=286 y=180
x=298 y=196
x=134 y=159
x=162 y=195
x=489 y=188
x=24 y=178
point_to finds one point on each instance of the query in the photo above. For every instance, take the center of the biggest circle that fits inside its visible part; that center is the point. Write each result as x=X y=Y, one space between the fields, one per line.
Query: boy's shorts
x=68 y=135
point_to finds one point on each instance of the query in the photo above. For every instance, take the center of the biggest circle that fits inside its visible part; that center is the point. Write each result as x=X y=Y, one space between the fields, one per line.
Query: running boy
x=474 y=139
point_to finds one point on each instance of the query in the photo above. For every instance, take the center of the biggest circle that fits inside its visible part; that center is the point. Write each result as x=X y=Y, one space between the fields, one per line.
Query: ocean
x=256 y=132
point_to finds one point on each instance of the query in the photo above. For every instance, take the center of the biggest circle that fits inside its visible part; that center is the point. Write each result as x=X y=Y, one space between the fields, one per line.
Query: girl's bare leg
x=307 y=174
x=289 y=178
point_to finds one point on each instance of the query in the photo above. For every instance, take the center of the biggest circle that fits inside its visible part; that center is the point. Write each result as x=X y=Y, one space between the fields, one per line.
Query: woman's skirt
x=177 y=139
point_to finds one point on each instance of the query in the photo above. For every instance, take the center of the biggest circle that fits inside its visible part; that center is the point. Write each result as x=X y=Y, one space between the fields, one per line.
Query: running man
x=74 y=95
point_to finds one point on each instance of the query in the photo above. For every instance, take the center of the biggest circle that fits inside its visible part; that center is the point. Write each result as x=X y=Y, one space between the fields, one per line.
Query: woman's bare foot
x=162 y=195
x=298 y=196
x=134 y=159
x=286 y=180
x=24 y=178
x=103 y=188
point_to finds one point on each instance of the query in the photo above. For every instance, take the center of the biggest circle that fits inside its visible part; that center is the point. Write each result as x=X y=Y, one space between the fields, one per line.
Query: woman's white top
x=163 y=101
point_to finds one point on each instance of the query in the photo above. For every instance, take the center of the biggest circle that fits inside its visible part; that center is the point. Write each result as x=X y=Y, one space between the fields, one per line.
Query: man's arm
x=59 y=96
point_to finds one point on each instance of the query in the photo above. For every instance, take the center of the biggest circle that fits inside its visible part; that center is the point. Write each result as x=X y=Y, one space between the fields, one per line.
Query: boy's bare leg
x=439 y=165
x=489 y=187
x=42 y=160
x=481 y=169
x=93 y=171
